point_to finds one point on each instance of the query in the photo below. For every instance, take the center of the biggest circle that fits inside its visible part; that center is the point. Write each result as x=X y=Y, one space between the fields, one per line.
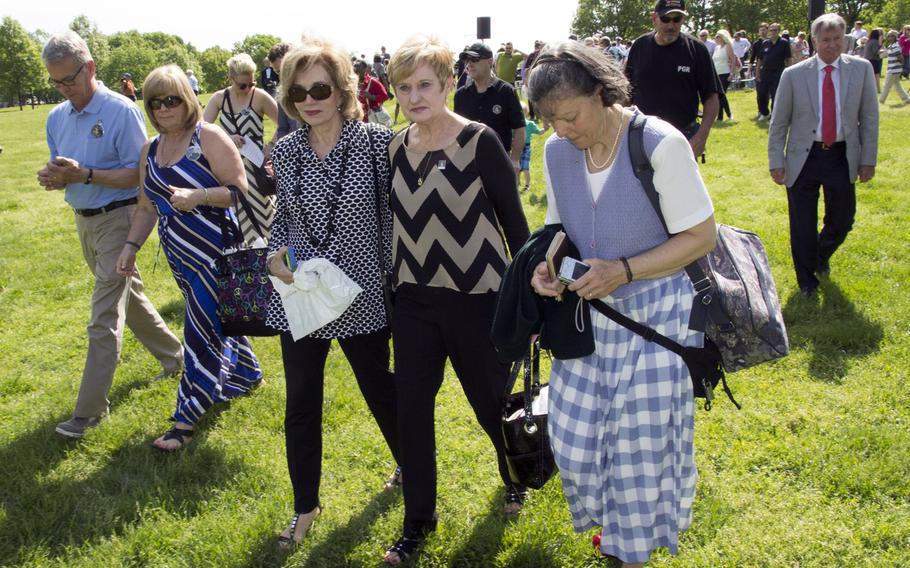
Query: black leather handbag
x=528 y=453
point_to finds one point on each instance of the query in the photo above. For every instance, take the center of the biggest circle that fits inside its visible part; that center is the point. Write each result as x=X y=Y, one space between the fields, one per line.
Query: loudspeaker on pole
x=483 y=27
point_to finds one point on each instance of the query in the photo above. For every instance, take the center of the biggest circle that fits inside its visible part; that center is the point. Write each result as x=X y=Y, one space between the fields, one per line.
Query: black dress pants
x=304 y=372
x=766 y=89
x=724 y=103
x=429 y=325
x=810 y=248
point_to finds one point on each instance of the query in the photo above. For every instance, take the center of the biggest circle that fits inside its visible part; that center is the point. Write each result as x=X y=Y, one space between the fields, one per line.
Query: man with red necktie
x=823 y=133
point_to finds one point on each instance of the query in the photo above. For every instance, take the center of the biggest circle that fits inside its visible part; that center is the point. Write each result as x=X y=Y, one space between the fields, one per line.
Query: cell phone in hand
x=290 y=259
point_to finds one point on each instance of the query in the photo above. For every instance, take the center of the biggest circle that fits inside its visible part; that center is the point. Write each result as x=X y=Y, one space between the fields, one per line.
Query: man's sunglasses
x=319 y=92
x=668 y=19
x=169 y=101
x=66 y=81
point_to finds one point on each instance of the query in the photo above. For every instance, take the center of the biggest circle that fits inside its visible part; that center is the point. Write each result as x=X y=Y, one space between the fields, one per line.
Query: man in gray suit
x=826 y=115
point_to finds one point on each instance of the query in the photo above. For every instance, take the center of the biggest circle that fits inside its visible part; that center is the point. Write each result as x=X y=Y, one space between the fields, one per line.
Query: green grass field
x=814 y=471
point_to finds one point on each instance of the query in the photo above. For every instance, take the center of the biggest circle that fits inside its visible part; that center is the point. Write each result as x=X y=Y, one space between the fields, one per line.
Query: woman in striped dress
x=189 y=174
x=621 y=419
x=240 y=109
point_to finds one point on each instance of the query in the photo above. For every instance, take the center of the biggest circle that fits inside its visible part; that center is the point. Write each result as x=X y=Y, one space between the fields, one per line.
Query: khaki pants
x=893 y=80
x=115 y=301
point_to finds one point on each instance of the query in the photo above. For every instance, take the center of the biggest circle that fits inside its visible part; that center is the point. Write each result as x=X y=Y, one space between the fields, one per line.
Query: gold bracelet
x=205 y=191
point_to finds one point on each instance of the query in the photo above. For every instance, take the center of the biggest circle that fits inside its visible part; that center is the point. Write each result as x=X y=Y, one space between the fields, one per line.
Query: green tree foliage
x=853 y=10
x=626 y=18
x=96 y=41
x=257 y=46
x=892 y=15
x=21 y=69
x=213 y=67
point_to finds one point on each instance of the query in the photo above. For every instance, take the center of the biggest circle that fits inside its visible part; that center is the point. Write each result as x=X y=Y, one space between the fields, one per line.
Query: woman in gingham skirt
x=621 y=418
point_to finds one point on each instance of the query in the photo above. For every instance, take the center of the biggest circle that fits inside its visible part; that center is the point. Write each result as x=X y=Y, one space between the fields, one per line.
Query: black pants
x=304 y=372
x=766 y=89
x=430 y=325
x=828 y=169
x=724 y=103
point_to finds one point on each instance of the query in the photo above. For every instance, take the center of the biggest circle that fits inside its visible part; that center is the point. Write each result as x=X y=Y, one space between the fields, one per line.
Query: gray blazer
x=796 y=115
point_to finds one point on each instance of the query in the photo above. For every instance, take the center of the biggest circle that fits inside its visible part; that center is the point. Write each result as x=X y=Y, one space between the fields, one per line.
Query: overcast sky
x=357 y=25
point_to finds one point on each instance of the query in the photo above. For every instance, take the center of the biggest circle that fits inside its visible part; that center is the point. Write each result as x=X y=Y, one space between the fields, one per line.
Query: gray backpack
x=735 y=292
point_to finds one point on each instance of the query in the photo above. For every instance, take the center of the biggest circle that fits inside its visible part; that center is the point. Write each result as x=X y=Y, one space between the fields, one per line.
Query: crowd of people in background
x=337 y=183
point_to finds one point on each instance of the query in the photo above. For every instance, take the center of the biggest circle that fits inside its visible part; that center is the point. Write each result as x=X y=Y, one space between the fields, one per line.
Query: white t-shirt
x=684 y=199
x=741 y=46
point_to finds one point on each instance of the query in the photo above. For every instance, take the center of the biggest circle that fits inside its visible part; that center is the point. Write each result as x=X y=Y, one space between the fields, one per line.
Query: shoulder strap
x=378 y=196
x=644 y=171
x=227 y=99
x=648 y=333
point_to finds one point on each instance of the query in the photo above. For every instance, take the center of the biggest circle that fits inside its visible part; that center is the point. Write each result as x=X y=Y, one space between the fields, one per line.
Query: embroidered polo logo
x=683 y=69
x=98 y=129
x=497 y=109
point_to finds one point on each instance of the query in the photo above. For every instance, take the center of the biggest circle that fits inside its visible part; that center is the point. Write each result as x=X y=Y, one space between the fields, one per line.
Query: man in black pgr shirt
x=772 y=57
x=492 y=101
x=672 y=72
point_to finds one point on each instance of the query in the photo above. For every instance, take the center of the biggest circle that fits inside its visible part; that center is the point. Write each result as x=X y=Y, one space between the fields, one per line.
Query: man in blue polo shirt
x=95 y=138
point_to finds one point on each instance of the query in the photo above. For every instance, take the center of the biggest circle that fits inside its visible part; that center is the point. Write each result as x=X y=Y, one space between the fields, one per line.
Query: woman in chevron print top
x=454 y=196
x=240 y=109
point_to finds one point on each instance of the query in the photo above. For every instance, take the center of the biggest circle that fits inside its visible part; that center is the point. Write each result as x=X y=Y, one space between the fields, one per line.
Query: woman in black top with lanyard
x=327 y=208
x=454 y=196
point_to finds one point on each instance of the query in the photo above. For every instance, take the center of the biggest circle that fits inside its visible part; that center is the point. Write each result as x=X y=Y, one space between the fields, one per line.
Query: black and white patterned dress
x=316 y=195
x=247 y=123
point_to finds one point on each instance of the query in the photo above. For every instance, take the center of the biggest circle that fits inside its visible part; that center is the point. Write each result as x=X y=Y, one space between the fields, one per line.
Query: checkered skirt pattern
x=621 y=426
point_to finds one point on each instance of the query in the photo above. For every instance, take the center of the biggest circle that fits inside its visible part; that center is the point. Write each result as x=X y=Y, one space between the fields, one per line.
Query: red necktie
x=829 y=109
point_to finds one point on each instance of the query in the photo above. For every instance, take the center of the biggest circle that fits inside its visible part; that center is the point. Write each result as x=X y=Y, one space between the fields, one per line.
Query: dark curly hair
x=569 y=69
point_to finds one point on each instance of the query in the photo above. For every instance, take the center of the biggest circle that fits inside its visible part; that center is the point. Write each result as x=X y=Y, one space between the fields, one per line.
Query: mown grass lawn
x=814 y=471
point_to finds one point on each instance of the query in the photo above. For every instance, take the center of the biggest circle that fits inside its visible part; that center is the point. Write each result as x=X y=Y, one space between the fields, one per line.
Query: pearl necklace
x=612 y=150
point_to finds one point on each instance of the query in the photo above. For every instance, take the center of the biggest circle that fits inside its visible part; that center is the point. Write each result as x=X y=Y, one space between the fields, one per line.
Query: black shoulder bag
x=527 y=443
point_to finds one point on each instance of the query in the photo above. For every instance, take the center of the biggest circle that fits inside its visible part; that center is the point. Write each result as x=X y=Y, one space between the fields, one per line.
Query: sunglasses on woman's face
x=245 y=86
x=169 y=101
x=668 y=19
x=319 y=92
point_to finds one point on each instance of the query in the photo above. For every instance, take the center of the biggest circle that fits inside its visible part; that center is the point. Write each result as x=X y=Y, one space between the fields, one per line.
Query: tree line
x=629 y=18
x=23 y=78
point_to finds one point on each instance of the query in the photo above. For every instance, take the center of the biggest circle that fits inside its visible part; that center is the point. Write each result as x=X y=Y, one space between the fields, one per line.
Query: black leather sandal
x=394 y=480
x=403 y=548
x=289 y=542
x=515 y=499
x=183 y=436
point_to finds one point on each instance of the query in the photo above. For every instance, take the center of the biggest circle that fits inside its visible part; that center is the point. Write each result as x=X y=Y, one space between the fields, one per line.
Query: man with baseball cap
x=491 y=101
x=672 y=72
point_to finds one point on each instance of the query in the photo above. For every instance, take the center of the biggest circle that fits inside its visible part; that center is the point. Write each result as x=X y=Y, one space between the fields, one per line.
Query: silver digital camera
x=571 y=270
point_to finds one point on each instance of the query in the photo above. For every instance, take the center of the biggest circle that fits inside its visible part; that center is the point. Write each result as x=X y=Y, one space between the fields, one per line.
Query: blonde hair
x=336 y=63
x=725 y=35
x=241 y=64
x=170 y=80
x=420 y=50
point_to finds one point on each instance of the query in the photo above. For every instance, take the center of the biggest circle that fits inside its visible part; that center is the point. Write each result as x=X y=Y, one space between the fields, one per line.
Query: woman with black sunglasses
x=332 y=188
x=240 y=109
x=186 y=175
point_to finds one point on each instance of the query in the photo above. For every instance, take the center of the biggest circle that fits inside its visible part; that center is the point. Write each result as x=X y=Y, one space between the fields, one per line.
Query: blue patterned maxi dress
x=217 y=368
